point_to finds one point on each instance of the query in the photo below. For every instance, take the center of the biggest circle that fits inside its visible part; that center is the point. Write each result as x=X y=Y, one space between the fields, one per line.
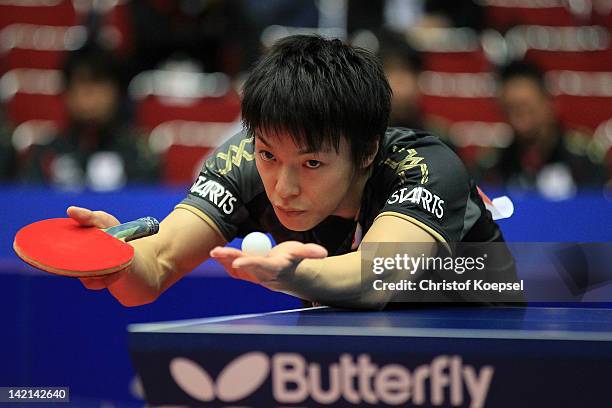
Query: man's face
x=528 y=109
x=92 y=101
x=304 y=187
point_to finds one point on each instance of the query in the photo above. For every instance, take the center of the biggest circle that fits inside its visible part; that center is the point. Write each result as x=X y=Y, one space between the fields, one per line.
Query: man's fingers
x=105 y=220
x=225 y=252
x=93 y=283
x=242 y=274
x=89 y=218
x=81 y=215
x=259 y=269
x=245 y=274
x=113 y=277
x=299 y=250
x=290 y=253
x=100 y=282
x=226 y=256
x=313 y=251
x=249 y=262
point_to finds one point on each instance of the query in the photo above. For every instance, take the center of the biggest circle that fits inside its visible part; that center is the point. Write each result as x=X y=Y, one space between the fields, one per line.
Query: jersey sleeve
x=430 y=187
x=227 y=181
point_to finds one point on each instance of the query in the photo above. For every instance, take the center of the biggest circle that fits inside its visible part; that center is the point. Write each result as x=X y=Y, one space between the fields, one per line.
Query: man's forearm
x=183 y=242
x=334 y=281
x=142 y=283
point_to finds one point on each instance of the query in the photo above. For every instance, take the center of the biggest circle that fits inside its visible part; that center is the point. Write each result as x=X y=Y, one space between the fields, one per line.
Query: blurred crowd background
x=100 y=93
x=96 y=95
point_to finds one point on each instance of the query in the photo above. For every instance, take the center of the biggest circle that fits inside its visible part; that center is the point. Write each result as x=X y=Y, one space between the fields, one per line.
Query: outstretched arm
x=304 y=271
x=183 y=242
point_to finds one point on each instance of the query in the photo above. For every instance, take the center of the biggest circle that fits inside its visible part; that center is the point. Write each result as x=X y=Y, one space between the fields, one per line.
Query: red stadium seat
x=462 y=106
x=44 y=12
x=450 y=49
x=583 y=111
x=583 y=48
x=153 y=110
x=596 y=60
x=184 y=144
x=583 y=99
x=33 y=132
x=18 y=58
x=604 y=20
x=459 y=96
x=475 y=61
x=31 y=94
x=454 y=109
x=600 y=13
x=471 y=125
x=503 y=18
x=117 y=22
x=23 y=107
x=187 y=114
x=36 y=46
x=181 y=163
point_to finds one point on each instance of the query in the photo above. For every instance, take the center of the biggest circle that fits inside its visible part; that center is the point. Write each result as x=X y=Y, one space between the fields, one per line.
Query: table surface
x=537 y=323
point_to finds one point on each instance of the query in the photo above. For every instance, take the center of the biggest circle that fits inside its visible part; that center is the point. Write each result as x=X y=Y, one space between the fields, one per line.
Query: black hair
x=93 y=64
x=319 y=90
x=522 y=69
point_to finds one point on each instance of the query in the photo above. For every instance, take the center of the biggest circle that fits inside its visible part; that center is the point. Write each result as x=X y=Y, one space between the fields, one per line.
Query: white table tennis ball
x=256 y=244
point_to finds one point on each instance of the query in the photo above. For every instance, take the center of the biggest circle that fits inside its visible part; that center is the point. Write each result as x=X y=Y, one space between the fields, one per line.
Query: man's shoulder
x=400 y=135
x=396 y=138
x=233 y=165
x=420 y=178
x=411 y=151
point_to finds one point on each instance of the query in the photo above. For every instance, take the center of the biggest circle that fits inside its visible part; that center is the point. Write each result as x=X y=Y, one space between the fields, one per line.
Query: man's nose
x=287 y=183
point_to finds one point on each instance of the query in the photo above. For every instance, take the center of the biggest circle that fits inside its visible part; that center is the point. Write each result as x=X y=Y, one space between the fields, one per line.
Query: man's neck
x=350 y=206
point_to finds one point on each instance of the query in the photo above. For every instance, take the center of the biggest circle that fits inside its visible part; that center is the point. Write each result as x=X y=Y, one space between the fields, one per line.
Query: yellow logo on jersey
x=410 y=161
x=234 y=156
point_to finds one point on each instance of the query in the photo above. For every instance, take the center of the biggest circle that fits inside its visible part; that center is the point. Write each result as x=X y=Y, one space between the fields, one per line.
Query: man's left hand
x=281 y=261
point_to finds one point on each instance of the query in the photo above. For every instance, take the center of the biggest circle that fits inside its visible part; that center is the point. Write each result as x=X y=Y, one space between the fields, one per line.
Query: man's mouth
x=289 y=212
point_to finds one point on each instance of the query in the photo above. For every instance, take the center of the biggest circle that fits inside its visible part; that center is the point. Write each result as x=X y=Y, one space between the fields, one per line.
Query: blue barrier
x=57 y=333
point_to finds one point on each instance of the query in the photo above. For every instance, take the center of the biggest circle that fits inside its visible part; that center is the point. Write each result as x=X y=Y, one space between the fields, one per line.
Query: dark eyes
x=313 y=164
x=310 y=164
x=266 y=155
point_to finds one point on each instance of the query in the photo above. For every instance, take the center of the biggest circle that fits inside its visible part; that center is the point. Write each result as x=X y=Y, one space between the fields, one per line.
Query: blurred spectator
x=542 y=155
x=372 y=15
x=364 y=15
x=99 y=148
x=404 y=15
x=402 y=65
x=291 y=13
x=8 y=156
x=215 y=33
x=456 y=13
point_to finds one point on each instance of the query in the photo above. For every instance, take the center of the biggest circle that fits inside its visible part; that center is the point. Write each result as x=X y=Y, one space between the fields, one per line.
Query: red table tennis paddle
x=63 y=247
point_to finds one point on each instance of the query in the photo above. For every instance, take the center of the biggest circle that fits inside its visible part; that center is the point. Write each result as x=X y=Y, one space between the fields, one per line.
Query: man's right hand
x=98 y=219
x=182 y=243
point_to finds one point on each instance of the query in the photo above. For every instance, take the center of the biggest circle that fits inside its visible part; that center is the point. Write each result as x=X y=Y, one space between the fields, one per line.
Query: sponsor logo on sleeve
x=410 y=161
x=214 y=193
x=234 y=156
x=421 y=197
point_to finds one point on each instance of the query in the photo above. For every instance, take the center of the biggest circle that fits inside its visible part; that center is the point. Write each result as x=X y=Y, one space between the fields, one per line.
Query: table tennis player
x=317 y=167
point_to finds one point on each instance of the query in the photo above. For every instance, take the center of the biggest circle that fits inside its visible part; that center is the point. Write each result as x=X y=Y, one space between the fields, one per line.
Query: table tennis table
x=425 y=356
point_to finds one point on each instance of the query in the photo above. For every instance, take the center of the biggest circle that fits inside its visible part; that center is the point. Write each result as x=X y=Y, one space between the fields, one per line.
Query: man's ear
x=370 y=158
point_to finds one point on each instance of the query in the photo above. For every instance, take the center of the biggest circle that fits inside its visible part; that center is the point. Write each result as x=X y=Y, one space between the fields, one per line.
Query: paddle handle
x=142 y=227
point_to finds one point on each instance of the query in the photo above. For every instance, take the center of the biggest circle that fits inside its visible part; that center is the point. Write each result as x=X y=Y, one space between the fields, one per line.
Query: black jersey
x=414 y=176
